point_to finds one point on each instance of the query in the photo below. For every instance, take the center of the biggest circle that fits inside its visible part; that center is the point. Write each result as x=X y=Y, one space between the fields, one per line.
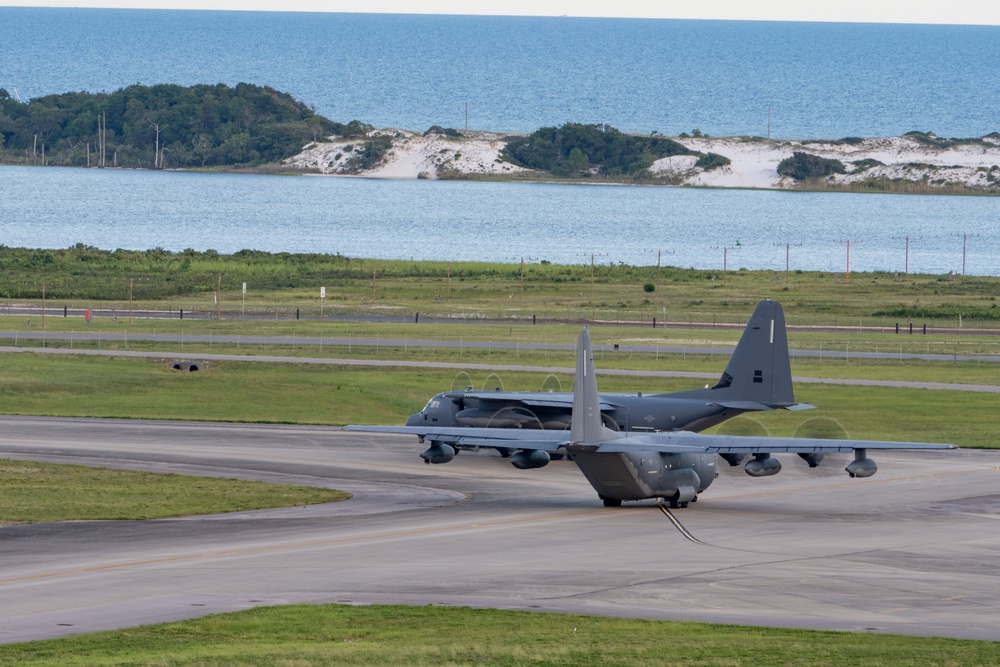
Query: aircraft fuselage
x=620 y=412
x=637 y=476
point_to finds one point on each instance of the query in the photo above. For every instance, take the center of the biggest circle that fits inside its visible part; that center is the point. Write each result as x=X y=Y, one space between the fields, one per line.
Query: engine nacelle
x=762 y=465
x=438 y=452
x=733 y=459
x=813 y=459
x=861 y=467
x=530 y=458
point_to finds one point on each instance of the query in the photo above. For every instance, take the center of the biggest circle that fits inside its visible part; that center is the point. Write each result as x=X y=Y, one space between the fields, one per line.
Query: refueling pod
x=530 y=458
x=438 y=452
x=762 y=465
x=861 y=466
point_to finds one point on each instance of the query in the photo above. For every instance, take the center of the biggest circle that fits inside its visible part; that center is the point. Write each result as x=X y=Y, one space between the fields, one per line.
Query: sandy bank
x=754 y=161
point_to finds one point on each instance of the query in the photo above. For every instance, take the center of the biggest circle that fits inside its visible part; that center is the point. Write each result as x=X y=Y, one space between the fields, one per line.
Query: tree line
x=160 y=126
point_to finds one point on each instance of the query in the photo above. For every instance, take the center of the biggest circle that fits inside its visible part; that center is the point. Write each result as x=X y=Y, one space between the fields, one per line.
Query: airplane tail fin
x=759 y=374
x=586 y=425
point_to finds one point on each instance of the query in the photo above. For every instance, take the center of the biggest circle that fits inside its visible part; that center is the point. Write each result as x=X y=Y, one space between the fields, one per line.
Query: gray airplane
x=675 y=465
x=757 y=377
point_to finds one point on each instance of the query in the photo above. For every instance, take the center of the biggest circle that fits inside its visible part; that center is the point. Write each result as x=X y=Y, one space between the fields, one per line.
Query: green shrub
x=802 y=166
x=867 y=163
x=711 y=161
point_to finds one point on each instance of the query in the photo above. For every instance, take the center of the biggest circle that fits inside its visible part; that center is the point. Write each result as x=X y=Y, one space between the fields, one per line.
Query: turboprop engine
x=813 y=459
x=762 y=465
x=438 y=452
x=530 y=458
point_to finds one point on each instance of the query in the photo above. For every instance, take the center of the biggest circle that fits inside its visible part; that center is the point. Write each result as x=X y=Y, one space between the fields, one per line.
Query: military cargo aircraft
x=673 y=465
x=757 y=377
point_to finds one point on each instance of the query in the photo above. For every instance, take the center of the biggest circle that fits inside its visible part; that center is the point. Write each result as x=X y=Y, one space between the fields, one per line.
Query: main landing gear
x=675 y=502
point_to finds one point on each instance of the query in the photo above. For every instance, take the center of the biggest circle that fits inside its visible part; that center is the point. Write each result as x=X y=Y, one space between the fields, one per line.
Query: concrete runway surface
x=915 y=549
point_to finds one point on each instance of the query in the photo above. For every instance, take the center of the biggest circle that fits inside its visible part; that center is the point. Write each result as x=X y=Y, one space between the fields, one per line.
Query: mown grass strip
x=78 y=386
x=397 y=635
x=32 y=492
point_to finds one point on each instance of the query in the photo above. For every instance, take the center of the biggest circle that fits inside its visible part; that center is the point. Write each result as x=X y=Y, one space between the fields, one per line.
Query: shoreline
x=914 y=163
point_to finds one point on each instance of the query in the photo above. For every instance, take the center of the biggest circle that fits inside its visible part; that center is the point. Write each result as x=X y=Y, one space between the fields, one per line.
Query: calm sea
x=518 y=74
x=56 y=207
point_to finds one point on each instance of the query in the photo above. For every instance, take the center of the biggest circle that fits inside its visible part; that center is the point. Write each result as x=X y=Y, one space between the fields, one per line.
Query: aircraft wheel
x=556 y=457
x=504 y=452
x=612 y=502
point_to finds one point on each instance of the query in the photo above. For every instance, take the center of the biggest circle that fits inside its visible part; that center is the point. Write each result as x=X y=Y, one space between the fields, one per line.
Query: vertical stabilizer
x=759 y=372
x=586 y=425
x=759 y=369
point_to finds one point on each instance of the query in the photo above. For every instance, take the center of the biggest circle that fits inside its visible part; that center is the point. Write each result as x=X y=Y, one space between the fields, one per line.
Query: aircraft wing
x=683 y=442
x=482 y=437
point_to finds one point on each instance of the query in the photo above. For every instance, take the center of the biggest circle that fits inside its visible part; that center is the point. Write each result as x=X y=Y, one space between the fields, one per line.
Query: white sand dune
x=754 y=161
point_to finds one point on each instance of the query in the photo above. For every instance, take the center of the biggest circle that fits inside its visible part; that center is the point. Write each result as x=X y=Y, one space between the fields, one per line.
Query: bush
x=649 y=287
x=802 y=166
x=443 y=131
x=563 y=149
x=711 y=161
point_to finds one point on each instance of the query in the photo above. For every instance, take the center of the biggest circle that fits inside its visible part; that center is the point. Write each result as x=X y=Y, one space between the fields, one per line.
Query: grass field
x=393 y=635
x=82 y=386
x=278 y=284
x=32 y=492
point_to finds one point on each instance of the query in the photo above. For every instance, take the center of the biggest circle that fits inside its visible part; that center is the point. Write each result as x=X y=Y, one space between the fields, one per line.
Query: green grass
x=281 y=283
x=34 y=492
x=81 y=386
x=395 y=635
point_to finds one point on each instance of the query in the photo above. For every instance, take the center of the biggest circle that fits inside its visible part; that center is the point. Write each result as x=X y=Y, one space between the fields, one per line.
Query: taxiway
x=912 y=550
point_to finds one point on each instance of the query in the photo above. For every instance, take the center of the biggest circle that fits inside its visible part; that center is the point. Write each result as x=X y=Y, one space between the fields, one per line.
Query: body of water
x=823 y=80
x=459 y=220
x=518 y=74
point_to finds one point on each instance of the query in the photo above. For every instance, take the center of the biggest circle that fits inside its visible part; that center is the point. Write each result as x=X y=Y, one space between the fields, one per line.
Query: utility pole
x=659 y=256
x=592 y=256
x=906 y=256
x=965 y=238
x=218 y=299
x=847 y=273
x=130 y=300
x=788 y=247
x=725 y=258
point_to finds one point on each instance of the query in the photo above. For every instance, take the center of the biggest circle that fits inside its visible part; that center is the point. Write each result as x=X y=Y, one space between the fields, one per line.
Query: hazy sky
x=878 y=11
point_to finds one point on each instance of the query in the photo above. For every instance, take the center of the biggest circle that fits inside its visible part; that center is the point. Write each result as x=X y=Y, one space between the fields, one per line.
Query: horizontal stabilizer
x=754 y=406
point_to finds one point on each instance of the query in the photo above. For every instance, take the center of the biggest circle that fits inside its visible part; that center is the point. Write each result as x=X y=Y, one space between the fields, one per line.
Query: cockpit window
x=432 y=404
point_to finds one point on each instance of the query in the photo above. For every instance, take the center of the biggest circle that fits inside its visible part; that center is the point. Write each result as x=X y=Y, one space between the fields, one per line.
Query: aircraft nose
x=415 y=419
